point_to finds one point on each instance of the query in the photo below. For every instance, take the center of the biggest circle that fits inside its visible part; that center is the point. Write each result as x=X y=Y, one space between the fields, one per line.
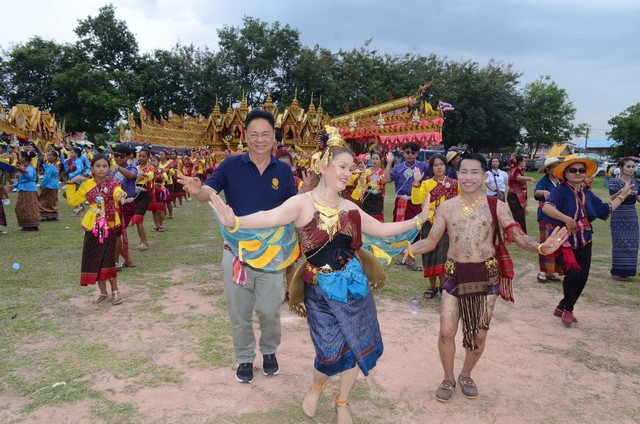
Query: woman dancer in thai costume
x=371 y=185
x=48 y=197
x=549 y=264
x=178 y=190
x=144 y=189
x=517 y=197
x=27 y=206
x=99 y=223
x=159 y=195
x=440 y=188
x=624 y=223
x=340 y=308
x=166 y=166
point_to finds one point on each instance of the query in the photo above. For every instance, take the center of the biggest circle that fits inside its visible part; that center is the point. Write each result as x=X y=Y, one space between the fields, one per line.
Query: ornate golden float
x=388 y=124
x=30 y=123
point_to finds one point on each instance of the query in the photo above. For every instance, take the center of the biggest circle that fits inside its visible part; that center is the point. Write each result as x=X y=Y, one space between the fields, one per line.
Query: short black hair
x=412 y=145
x=475 y=156
x=259 y=114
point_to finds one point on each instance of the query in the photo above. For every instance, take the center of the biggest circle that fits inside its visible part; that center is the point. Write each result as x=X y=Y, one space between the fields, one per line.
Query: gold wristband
x=237 y=226
x=418 y=223
x=540 y=250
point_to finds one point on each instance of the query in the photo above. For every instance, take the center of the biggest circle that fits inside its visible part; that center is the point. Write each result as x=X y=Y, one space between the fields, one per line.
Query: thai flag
x=445 y=107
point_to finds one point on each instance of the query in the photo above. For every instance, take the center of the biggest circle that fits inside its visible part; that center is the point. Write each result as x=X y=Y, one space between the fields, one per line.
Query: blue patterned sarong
x=343 y=334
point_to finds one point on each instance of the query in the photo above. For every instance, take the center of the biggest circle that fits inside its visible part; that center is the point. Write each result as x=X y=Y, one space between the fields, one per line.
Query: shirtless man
x=472 y=276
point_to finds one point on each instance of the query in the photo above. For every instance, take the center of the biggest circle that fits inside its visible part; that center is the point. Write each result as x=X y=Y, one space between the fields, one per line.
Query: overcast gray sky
x=588 y=47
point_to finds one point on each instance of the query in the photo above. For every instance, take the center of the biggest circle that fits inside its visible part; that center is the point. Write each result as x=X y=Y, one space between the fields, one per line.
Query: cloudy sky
x=591 y=48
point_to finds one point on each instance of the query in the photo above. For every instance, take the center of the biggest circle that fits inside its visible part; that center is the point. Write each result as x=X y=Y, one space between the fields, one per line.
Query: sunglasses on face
x=410 y=152
x=577 y=170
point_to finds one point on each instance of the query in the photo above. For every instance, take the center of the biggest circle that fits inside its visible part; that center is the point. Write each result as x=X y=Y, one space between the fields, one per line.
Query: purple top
x=402 y=176
x=129 y=186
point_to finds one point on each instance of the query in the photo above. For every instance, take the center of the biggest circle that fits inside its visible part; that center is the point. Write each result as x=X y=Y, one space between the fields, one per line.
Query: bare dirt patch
x=533 y=369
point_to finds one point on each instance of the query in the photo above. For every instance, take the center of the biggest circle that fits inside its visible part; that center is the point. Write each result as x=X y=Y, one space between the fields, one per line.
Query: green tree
x=626 y=131
x=107 y=41
x=547 y=114
x=30 y=70
x=258 y=58
x=97 y=80
x=486 y=105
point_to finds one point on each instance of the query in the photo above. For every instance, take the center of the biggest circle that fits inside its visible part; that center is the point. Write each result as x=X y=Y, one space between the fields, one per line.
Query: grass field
x=48 y=328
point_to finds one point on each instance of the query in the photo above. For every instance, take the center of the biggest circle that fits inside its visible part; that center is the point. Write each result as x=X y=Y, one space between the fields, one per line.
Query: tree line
x=92 y=82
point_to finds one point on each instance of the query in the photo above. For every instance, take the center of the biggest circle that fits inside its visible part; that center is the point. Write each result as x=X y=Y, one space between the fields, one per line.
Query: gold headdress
x=334 y=140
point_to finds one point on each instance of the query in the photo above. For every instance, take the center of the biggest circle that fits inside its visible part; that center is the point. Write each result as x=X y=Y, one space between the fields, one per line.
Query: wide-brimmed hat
x=591 y=166
x=451 y=154
x=550 y=161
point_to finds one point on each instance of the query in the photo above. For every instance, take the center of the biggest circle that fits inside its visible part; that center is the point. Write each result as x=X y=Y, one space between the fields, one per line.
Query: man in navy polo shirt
x=252 y=182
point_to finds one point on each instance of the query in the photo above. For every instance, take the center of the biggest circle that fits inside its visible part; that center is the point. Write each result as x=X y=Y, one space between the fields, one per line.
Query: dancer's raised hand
x=223 y=211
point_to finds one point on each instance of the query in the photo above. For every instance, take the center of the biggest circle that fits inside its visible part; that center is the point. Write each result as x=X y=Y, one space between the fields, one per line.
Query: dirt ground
x=533 y=369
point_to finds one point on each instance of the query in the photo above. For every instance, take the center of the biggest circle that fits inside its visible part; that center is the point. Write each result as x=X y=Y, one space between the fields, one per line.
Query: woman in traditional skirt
x=372 y=186
x=144 y=188
x=178 y=190
x=517 y=197
x=27 y=206
x=159 y=195
x=48 y=197
x=4 y=175
x=549 y=264
x=624 y=224
x=99 y=223
x=165 y=165
x=340 y=307
x=440 y=188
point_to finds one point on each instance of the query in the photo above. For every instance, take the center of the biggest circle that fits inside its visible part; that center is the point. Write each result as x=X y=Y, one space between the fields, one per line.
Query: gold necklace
x=328 y=216
x=467 y=211
x=326 y=200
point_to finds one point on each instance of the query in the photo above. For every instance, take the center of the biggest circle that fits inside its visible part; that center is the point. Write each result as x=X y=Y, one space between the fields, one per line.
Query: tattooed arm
x=437 y=230
x=550 y=245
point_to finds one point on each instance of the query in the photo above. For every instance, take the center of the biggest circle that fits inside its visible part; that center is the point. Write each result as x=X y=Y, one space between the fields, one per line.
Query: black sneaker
x=270 y=365
x=244 y=374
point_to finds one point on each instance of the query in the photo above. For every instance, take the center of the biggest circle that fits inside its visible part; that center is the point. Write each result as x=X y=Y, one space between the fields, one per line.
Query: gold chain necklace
x=467 y=211
x=326 y=200
x=328 y=216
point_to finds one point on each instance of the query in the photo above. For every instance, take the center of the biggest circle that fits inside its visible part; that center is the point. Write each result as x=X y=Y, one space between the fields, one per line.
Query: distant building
x=599 y=148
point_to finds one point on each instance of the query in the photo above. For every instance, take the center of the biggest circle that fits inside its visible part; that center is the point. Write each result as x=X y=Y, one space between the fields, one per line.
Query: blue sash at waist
x=337 y=285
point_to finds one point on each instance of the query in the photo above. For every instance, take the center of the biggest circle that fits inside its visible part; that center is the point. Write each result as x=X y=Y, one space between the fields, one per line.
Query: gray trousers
x=263 y=293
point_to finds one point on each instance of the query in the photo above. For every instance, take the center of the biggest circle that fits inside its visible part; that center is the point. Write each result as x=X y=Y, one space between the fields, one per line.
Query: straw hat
x=591 y=166
x=550 y=161
x=451 y=154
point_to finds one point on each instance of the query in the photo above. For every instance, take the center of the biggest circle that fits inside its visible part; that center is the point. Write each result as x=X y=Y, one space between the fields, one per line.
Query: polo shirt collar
x=246 y=159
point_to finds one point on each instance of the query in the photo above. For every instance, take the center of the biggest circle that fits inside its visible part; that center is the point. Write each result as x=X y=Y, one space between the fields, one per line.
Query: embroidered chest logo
x=275 y=183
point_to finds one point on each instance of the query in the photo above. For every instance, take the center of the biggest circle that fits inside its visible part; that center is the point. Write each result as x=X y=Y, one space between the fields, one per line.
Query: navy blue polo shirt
x=246 y=190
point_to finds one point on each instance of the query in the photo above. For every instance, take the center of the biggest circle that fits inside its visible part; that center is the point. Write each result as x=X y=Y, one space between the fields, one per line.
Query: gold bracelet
x=410 y=252
x=418 y=223
x=237 y=226
x=540 y=250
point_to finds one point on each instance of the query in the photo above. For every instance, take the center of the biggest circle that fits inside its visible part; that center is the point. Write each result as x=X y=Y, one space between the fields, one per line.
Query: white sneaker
x=6 y=202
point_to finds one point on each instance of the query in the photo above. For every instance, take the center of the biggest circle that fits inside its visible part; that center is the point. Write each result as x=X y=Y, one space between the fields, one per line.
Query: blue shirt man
x=251 y=182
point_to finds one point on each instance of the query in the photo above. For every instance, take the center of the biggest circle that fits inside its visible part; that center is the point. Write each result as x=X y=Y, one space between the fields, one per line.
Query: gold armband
x=410 y=252
x=418 y=223
x=237 y=226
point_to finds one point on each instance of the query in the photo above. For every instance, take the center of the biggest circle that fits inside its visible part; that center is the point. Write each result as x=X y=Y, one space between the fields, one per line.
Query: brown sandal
x=468 y=387
x=445 y=391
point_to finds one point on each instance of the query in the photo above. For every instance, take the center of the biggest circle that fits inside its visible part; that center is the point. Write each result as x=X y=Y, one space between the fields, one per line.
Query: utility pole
x=586 y=138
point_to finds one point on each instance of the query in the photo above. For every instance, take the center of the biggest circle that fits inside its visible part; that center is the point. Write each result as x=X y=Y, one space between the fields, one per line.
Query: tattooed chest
x=472 y=236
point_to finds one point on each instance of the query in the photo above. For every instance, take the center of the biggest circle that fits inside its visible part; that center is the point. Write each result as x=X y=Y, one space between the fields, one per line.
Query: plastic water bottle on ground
x=15 y=265
x=414 y=306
